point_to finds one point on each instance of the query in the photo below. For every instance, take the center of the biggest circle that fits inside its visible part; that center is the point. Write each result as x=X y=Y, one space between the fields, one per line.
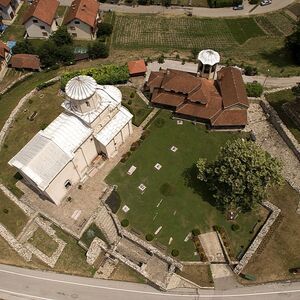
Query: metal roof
x=114 y=126
x=209 y=57
x=81 y=87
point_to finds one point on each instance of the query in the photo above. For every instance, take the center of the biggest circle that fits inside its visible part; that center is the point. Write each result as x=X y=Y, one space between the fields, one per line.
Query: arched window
x=68 y=184
x=88 y=103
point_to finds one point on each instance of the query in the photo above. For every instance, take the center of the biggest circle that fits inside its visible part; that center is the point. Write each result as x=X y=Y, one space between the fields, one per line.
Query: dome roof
x=209 y=57
x=81 y=87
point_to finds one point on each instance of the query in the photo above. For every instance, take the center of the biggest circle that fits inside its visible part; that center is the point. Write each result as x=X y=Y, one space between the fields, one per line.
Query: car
x=265 y=2
x=239 y=7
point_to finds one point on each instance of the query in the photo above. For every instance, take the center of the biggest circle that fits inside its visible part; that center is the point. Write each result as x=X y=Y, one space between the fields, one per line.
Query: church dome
x=81 y=87
x=209 y=57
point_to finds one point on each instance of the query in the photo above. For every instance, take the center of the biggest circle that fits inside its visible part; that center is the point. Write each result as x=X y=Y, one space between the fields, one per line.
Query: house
x=8 y=8
x=82 y=18
x=25 y=61
x=137 y=67
x=220 y=103
x=40 y=19
x=4 y=55
x=93 y=122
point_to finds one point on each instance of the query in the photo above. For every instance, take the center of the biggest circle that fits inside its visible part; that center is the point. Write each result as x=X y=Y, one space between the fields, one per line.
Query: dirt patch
x=124 y=273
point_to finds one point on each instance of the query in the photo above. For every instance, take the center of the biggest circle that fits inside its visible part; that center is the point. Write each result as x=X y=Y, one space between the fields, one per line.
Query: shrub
x=124 y=222
x=132 y=94
x=129 y=102
x=149 y=237
x=5 y=210
x=97 y=49
x=250 y=71
x=104 y=29
x=217 y=228
x=254 y=89
x=167 y=189
x=45 y=84
x=177 y=56
x=125 y=157
x=235 y=227
x=145 y=134
x=175 y=252
x=159 y=122
x=195 y=231
x=161 y=59
x=223 y=3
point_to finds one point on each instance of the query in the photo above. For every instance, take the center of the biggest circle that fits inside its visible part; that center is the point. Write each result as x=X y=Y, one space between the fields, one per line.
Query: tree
x=195 y=52
x=61 y=37
x=24 y=47
x=47 y=54
x=166 y=3
x=292 y=44
x=240 y=175
x=65 y=54
x=254 y=89
x=97 y=49
x=104 y=29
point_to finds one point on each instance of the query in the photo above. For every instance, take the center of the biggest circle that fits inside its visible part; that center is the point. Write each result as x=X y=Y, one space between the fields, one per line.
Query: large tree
x=240 y=175
x=292 y=44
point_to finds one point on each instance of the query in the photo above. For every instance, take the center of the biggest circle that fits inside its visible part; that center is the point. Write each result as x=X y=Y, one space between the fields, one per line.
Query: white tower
x=207 y=63
x=81 y=93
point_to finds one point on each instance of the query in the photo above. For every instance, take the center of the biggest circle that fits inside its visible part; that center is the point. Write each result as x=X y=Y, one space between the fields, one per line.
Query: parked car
x=265 y=2
x=239 y=7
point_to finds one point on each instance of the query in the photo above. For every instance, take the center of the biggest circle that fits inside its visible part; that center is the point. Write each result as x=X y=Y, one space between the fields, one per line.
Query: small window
x=35 y=21
x=72 y=28
x=68 y=184
x=42 y=27
x=74 y=34
x=45 y=33
x=88 y=103
x=77 y=22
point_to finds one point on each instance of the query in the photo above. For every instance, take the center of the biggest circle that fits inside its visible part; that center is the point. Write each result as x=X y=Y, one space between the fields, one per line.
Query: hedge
x=106 y=74
x=224 y=3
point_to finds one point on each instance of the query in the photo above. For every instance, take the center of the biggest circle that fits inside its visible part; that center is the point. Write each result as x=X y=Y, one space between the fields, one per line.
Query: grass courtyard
x=189 y=203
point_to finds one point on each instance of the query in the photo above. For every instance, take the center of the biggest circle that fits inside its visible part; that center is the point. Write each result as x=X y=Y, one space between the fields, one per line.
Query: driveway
x=198 y=11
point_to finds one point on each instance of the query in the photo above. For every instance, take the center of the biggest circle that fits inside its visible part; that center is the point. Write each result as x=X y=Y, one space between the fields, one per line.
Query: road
x=198 y=11
x=18 y=283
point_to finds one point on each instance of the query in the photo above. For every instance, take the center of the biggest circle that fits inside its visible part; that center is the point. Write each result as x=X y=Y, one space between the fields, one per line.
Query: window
x=68 y=184
x=72 y=28
x=88 y=103
x=77 y=22
x=74 y=34
x=42 y=27
x=35 y=21
x=45 y=33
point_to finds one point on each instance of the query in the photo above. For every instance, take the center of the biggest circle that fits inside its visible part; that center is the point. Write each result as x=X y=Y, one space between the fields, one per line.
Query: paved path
x=198 y=11
x=18 y=283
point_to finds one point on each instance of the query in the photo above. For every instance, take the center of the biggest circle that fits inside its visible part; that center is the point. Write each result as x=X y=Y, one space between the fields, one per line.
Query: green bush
x=223 y=3
x=250 y=71
x=161 y=59
x=104 y=29
x=167 y=189
x=105 y=74
x=175 y=252
x=217 y=228
x=129 y=102
x=45 y=84
x=124 y=222
x=254 y=89
x=235 y=227
x=149 y=237
x=195 y=231
x=97 y=49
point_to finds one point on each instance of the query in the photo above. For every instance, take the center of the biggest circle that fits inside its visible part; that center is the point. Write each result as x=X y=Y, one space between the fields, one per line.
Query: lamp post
x=266 y=78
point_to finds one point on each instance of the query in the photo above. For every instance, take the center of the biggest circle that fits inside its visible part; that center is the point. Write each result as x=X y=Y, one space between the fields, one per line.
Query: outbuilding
x=137 y=67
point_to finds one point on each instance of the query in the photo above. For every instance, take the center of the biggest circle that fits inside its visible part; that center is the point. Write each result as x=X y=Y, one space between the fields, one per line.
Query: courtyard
x=173 y=202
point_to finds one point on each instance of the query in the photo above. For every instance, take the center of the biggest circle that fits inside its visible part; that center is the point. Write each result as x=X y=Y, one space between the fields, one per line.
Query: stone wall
x=275 y=211
x=20 y=79
x=283 y=131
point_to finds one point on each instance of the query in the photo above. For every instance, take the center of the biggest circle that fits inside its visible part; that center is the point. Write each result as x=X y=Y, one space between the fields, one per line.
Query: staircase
x=105 y=222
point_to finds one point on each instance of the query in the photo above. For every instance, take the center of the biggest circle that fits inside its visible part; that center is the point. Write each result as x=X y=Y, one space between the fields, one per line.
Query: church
x=93 y=123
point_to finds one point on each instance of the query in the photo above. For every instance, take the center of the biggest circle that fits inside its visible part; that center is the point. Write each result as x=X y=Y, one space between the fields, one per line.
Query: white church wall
x=80 y=162
x=89 y=150
x=56 y=189
x=102 y=119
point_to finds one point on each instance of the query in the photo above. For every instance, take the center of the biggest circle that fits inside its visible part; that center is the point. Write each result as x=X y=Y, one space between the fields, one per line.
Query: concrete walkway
x=198 y=11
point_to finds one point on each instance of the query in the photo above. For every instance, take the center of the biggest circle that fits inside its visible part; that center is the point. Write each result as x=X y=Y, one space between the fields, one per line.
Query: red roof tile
x=25 y=61
x=44 y=10
x=84 y=10
x=137 y=67
x=3 y=49
x=4 y=2
x=168 y=99
x=231 y=117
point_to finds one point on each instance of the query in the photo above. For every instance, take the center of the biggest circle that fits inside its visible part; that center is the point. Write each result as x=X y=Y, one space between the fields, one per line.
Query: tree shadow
x=198 y=187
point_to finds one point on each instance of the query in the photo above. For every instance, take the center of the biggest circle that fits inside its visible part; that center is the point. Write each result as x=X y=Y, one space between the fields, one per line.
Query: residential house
x=40 y=19
x=82 y=19
x=4 y=55
x=8 y=8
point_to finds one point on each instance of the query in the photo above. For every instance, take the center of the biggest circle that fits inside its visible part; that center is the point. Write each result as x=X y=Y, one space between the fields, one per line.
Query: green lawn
x=47 y=107
x=11 y=216
x=190 y=204
x=42 y=241
x=135 y=105
x=277 y=100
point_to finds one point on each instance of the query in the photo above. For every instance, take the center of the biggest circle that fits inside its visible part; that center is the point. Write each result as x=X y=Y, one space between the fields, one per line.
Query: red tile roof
x=137 y=67
x=25 y=61
x=168 y=99
x=44 y=10
x=84 y=10
x=5 y=2
x=231 y=117
x=3 y=49
x=232 y=87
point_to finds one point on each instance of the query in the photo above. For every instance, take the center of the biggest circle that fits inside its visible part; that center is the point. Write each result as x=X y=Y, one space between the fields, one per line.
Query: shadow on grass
x=198 y=187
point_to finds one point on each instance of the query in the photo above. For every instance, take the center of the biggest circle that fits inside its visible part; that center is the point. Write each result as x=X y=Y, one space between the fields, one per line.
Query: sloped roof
x=3 y=49
x=4 y=2
x=168 y=99
x=48 y=152
x=137 y=67
x=44 y=10
x=232 y=87
x=25 y=61
x=84 y=10
x=231 y=117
